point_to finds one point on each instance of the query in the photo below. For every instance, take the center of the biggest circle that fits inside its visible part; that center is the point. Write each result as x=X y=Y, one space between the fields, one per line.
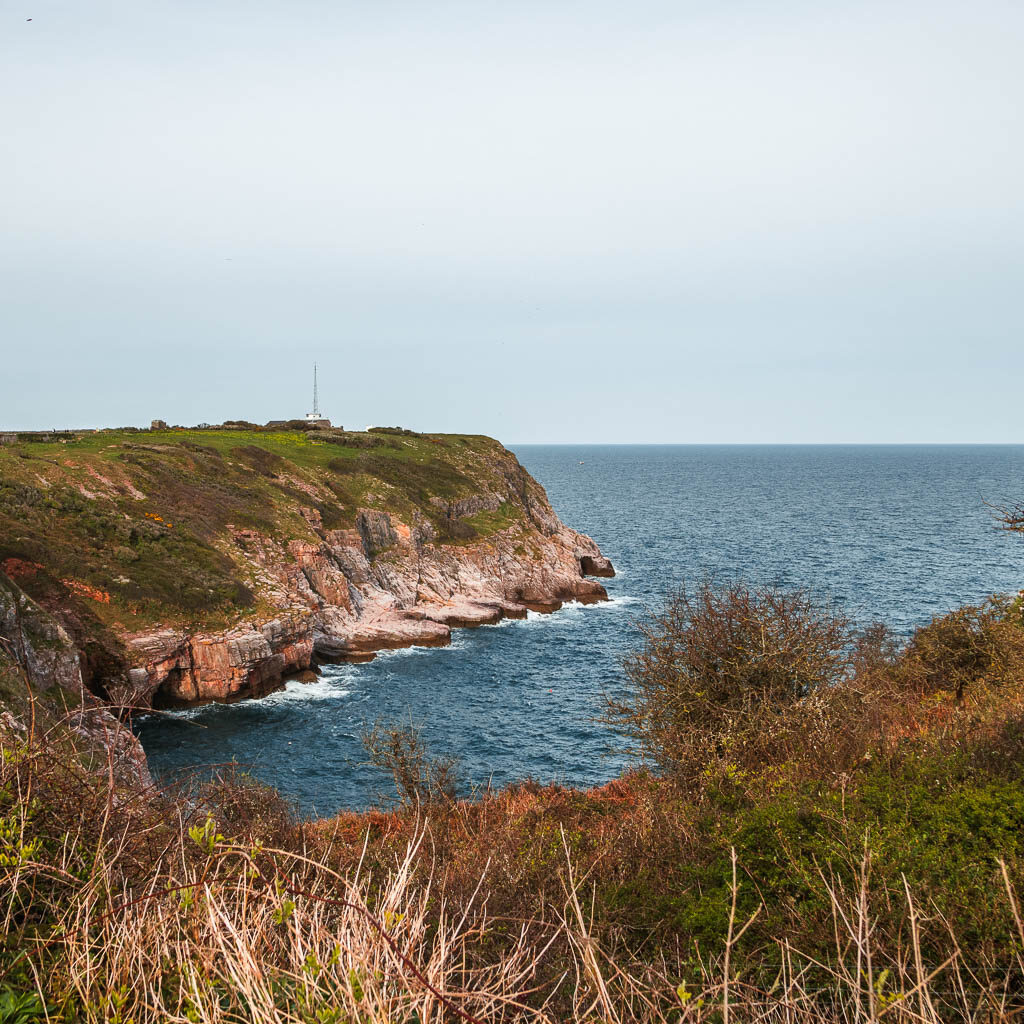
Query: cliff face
x=42 y=690
x=206 y=565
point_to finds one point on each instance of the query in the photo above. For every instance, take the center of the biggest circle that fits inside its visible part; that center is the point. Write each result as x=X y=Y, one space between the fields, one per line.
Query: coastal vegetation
x=128 y=528
x=828 y=827
x=216 y=563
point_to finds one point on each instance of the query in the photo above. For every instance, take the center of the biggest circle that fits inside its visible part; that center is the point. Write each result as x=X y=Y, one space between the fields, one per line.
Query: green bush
x=718 y=668
x=965 y=647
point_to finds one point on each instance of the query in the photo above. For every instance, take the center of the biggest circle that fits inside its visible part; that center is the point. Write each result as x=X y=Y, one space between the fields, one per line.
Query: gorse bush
x=965 y=647
x=716 y=667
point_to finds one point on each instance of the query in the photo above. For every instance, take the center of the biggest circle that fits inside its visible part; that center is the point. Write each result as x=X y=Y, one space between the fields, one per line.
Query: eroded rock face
x=38 y=643
x=177 y=668
x=384 y=584
x=44 y=674
x=596 y=565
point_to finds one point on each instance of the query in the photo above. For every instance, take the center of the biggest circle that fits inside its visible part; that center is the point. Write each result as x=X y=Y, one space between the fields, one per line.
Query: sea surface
x=896 y=533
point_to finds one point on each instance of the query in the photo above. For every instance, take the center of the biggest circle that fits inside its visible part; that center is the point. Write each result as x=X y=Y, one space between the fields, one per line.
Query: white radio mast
x=316 y=417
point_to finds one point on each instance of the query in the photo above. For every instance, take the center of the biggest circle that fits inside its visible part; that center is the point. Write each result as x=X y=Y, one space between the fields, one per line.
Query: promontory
x=173 y=566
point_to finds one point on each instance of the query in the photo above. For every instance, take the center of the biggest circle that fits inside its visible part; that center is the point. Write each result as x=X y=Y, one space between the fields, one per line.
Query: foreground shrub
x=965 y=647
x=838 y=837
x=420 y=778
x=715 y=667
x=212 y=929
x=250 y=809
x=891 y=894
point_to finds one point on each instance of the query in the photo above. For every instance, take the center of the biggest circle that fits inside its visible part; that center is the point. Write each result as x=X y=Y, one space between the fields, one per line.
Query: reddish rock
x=596 y=565
x=465 y=614
x=384 y=584
x=181 y=669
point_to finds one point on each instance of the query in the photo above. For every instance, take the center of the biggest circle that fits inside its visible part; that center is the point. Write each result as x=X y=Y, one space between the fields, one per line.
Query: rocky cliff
x=208 y=565
x=42 y=692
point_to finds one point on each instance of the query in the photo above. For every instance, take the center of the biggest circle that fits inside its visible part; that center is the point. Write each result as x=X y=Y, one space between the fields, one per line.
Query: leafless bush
x=420 y=778
x=245 y=806
x=1010 y=517
x=875 y=652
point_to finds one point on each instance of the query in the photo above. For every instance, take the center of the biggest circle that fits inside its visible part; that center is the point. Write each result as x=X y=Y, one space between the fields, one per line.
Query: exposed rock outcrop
x=41 y=687
x=596 y=565
x=258 y=553
x=381 y=585
x=174 y=668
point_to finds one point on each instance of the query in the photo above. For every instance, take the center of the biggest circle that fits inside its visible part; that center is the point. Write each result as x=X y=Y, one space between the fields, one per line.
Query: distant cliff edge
x=187 y=565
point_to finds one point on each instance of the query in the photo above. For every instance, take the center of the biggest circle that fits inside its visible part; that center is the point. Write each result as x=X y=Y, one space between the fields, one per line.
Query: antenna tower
x=316 y=397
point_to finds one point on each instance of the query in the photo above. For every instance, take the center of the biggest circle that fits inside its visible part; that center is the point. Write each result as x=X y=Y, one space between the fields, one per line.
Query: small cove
x=898 y=533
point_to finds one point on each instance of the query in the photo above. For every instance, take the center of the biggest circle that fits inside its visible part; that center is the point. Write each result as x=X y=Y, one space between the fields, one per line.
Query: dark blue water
x=895 y=533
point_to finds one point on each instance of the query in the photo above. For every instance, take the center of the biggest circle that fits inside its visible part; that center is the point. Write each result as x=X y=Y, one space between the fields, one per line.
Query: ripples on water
x=898 y=533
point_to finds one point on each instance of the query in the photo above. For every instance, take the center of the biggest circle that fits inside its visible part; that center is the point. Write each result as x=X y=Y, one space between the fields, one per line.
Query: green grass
x=491 y=522
x=295 y=446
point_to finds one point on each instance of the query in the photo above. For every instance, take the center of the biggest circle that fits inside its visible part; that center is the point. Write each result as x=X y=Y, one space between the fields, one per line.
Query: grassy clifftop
x=125 y=528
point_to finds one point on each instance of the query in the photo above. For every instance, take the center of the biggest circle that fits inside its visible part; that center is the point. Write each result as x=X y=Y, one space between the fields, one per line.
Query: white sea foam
x=618 y=601
x=322 y=689
x=501 y=624
x=578 y=609
x=182 y=713
x=408 y=652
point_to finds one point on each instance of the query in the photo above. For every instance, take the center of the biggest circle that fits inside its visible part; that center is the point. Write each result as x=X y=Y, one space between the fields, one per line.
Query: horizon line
x=772 y=444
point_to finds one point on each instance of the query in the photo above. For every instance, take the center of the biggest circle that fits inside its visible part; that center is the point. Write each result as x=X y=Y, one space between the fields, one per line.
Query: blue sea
x=896 y=533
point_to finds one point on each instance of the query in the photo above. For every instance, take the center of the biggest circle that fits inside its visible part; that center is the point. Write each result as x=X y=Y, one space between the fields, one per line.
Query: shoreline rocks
x=250 y=563
x=381 y=586
x=45 y=691
x=596 y=565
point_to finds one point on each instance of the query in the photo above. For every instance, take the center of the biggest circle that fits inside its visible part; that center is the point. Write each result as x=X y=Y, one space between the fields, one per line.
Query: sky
x=720 y=221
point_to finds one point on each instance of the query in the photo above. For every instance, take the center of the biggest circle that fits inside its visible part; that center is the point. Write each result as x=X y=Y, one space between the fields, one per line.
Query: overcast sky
x=552 y=221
